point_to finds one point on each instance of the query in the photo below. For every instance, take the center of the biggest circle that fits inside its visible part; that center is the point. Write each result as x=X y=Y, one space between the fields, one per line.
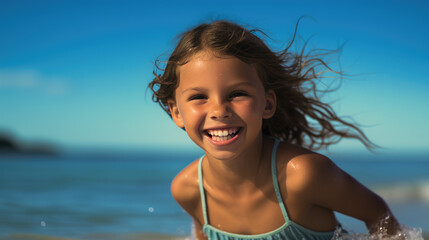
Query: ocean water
x=103 y=196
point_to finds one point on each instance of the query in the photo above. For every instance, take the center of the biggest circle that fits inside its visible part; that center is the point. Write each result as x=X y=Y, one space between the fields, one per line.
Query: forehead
x=207 y=65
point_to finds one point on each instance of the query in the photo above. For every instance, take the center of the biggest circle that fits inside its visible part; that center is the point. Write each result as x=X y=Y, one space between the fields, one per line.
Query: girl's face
x=221 y=103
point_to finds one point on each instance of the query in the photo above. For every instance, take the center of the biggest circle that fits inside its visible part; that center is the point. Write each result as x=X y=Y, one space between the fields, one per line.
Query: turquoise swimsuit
x=289 y=230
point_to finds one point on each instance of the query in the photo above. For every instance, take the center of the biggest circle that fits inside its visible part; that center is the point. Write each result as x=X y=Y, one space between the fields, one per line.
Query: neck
x=238 y=174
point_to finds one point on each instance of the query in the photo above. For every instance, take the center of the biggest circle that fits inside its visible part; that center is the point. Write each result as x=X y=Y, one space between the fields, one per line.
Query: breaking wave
x=405 y=192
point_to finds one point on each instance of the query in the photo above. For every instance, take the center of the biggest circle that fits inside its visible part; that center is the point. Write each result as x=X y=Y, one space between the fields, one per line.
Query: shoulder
x=185 y=188
x=307 y=172
x=316 y=181
x=296 y=159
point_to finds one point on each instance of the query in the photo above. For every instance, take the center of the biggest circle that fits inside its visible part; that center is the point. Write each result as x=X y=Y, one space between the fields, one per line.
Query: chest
x=250 y=214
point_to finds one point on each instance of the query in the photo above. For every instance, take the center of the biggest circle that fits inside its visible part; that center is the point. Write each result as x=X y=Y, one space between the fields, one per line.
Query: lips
x=222 y=134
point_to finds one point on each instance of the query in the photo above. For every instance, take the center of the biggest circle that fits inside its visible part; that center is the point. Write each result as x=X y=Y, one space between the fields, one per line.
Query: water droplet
x=406 y=233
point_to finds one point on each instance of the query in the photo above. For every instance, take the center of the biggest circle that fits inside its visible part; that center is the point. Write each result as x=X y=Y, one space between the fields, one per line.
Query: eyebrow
x=243 y=83
x=193 y=89
x=246 y=83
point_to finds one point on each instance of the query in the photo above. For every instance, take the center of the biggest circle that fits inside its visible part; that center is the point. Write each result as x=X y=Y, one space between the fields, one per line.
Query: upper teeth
x=222 y=132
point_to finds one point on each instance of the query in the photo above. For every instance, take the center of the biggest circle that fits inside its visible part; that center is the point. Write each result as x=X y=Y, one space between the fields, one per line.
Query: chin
x=221 y=155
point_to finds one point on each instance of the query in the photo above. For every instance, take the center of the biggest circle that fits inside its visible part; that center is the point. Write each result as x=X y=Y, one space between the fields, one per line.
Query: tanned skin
x=218 y=93
x=312 y=187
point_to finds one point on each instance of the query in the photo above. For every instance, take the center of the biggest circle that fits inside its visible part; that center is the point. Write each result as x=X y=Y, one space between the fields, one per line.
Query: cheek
x=192 y=114
x=249 y=109
x=195 y=110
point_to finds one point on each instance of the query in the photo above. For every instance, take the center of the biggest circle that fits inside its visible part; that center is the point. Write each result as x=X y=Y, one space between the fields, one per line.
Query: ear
x=175 y=113
x=270 y=104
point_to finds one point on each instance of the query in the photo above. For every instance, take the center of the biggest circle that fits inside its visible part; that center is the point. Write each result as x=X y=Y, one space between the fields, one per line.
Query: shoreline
x=111 y=236
x=96 y=236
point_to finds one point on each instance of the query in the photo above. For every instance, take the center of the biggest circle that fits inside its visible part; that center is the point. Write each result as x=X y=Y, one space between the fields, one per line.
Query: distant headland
x=11 y=146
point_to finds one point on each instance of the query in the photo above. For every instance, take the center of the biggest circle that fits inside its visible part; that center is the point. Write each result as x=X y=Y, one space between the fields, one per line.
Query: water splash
x=404 y=233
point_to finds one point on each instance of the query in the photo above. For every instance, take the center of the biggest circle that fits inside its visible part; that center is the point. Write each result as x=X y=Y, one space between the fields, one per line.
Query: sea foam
x=405 y=192
x=381 y=232
x=406 y=233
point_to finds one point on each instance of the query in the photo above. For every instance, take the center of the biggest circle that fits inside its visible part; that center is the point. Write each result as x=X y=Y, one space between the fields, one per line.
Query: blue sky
x=75 y=73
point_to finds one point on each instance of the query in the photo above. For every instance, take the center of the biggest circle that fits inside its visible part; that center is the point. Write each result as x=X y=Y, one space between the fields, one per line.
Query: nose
x=220 y=111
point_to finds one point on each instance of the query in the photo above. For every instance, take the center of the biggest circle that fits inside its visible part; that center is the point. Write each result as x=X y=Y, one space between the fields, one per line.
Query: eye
x=197 y=97
x=238 y=94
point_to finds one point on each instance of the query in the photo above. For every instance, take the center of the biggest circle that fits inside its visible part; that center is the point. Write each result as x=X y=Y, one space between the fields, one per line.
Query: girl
x=253 y=112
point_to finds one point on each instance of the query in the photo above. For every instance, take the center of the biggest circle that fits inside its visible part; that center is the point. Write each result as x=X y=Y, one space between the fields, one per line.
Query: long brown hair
x=301 y=117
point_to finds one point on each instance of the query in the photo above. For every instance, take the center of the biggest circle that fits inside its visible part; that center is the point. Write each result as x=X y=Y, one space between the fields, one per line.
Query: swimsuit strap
x=275 y=180
x=202 y=194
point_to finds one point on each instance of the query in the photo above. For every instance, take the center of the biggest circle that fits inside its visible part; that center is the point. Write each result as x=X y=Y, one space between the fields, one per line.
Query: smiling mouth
x=222 y=134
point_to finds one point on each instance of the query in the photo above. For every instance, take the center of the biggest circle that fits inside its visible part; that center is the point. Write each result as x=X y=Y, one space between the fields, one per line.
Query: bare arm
x=199 y=231
x=185 y=191
x=330 y=187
